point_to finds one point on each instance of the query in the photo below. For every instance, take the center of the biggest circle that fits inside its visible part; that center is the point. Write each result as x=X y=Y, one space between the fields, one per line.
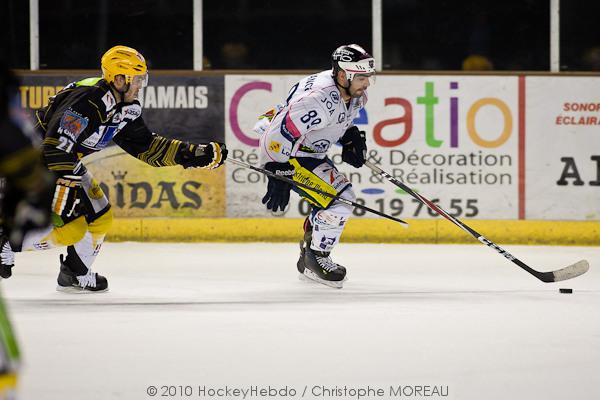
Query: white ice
x=458 y=317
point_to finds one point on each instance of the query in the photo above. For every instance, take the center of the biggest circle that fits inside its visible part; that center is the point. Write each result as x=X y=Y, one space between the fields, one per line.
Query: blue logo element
x=372 y=191
x=362 y=118
x=107 y=136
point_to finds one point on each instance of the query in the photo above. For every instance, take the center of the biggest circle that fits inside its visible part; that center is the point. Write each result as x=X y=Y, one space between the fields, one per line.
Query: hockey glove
x=210 y=156
x=264 y=120
x=66 y=199
x=354 y=150
x=27 y=198
x=278 y=191
x=32 y=212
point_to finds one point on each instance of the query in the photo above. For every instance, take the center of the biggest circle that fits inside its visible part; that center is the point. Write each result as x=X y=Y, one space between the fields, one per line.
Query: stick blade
x=570 y=272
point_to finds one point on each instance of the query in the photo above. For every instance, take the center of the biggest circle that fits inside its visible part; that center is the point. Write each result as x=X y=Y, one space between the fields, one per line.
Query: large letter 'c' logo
x=233 y=110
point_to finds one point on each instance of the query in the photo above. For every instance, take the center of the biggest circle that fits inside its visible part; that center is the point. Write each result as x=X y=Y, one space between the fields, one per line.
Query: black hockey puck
x=565 y=290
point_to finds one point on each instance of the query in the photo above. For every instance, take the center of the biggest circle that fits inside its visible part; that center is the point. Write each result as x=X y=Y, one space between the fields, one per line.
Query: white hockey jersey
x=313 y=118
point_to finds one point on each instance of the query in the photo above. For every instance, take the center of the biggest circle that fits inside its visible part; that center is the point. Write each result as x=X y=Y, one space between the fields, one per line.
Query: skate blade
x=309 y=276
x=77 y=290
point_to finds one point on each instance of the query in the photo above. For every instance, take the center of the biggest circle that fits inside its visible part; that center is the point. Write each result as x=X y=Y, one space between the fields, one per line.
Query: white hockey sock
x=88 y=248
x=328 y=226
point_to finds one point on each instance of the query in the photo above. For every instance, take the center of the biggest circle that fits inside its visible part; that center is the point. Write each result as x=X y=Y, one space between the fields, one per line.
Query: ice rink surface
x=455 y=318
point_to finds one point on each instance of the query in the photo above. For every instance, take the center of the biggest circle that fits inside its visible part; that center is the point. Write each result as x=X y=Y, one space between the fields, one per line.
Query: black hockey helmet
x=352 y=59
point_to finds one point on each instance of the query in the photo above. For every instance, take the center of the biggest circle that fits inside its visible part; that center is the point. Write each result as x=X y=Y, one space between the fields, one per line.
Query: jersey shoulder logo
x=321 y=146
x=335 y=97
x=72 y=123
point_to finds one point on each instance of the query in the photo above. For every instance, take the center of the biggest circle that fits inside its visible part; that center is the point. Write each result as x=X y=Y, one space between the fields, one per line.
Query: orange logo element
x=275 y=146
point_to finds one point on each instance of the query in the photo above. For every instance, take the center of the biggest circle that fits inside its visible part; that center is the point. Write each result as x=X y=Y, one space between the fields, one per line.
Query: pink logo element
x=233 y=110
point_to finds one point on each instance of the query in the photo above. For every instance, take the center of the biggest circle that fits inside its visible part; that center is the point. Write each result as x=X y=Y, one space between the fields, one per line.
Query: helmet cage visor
x=138 y=80
x=358 y=77
x=362 y=68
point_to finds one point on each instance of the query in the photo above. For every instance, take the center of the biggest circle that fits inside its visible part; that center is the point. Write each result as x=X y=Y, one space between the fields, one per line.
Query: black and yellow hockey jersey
x=85 y=117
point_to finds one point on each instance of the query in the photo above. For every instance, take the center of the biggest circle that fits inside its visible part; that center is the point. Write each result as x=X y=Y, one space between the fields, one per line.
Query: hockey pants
x=84 y=232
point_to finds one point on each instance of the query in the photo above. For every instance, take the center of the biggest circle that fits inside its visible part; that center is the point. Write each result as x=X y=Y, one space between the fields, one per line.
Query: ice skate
x=69 y=282
x=317 y=266
x=7 y=258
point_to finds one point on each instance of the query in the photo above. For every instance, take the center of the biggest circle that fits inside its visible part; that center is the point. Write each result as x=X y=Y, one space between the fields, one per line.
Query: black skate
x=318 y=266
x=7 y=258
x=69 y=282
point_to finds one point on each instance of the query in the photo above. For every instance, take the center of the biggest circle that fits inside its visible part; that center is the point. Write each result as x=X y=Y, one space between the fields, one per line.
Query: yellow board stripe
x=585 y=233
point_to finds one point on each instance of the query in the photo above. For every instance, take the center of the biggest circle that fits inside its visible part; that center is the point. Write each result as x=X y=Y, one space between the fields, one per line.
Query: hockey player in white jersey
x=317 y=113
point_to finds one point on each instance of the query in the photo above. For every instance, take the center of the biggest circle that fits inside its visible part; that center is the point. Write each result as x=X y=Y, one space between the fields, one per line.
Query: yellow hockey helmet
x=123 y=60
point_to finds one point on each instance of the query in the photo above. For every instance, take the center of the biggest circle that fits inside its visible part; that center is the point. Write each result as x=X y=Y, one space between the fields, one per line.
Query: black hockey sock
x=74 y=262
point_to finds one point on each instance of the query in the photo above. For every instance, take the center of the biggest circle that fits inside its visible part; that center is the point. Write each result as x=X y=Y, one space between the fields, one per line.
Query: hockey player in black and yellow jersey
x=84 y=118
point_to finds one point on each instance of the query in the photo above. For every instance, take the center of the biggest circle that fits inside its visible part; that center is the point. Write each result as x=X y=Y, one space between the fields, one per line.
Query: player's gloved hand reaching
x=33 y=212
x=278 y=191
x=354 y=150
x=211 y=155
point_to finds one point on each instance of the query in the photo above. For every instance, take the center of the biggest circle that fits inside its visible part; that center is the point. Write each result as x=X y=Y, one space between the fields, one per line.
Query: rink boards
x=584 y=233
x=516 y=156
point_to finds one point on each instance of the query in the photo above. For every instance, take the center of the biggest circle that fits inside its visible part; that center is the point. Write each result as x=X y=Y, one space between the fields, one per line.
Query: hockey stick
x=303 y=186
x=562 y=274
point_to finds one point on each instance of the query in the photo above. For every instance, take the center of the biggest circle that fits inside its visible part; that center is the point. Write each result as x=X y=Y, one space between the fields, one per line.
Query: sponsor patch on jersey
x=327 y=242
x=72 y=123
x=306 y=149
x=321 y=146
x=131 y=112
x=274 y=146
x=335 y=97
x=101 y=138
x=325 y=218
x=109 y=100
